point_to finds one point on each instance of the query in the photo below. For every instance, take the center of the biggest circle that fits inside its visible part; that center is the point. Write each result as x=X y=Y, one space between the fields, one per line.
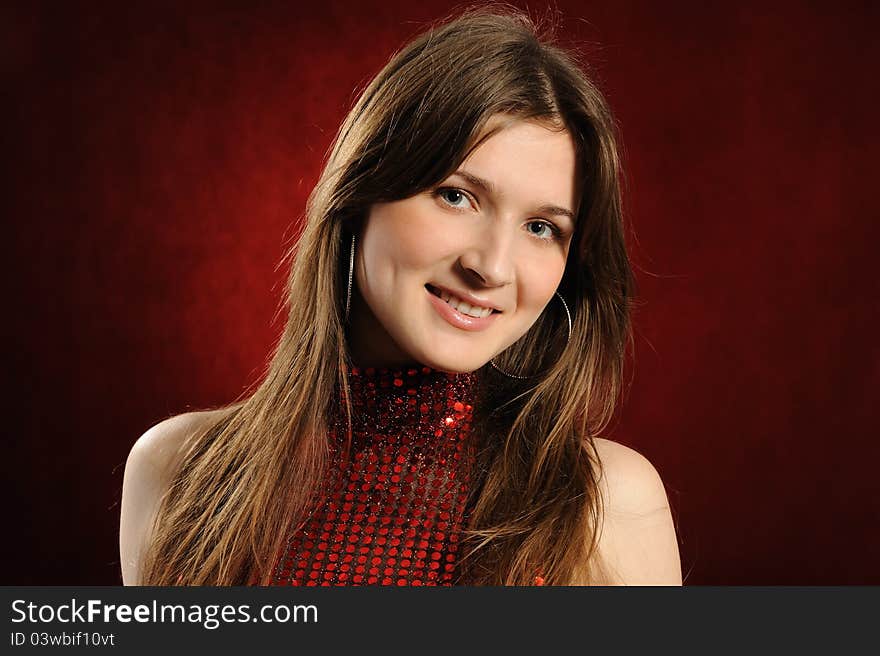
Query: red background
x=158 y=157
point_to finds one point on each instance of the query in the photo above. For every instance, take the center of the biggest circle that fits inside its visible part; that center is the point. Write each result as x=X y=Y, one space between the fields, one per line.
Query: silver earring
x=350 y=276
x=567 y=316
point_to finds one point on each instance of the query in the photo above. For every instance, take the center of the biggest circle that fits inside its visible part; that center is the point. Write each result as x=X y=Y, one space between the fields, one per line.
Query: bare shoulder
x=152 y=462
x=161 y=448
x=629 y=480
x=638 y=544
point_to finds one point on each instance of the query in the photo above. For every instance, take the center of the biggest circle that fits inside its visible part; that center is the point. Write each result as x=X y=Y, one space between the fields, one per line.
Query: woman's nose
x=489 y=256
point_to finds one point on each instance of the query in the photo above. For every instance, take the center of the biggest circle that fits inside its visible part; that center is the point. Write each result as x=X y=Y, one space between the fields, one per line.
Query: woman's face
x=498 y=231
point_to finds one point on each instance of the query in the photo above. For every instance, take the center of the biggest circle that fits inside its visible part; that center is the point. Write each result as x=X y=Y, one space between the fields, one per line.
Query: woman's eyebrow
x=490 y=189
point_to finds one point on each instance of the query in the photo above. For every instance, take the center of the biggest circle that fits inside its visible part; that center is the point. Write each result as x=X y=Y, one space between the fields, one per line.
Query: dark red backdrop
x=158 y=157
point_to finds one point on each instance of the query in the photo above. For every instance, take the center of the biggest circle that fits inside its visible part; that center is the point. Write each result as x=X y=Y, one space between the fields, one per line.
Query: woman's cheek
x=540 y=285
x=417 y=235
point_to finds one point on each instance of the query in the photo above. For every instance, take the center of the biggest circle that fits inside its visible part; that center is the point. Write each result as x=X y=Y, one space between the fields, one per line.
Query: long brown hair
x=249 y=477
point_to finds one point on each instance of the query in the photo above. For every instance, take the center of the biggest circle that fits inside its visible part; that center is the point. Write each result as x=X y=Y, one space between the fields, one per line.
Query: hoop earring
x=350 y=276
x=567 y=316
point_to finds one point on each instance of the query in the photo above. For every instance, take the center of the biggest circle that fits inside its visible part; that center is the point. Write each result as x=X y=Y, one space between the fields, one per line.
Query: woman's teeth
x=470 y=310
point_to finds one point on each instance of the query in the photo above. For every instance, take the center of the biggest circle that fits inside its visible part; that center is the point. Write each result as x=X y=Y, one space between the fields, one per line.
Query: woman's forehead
x=525 y=161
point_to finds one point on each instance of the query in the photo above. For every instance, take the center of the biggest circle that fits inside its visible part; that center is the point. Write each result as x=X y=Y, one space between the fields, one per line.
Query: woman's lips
x=471 y=300
x=456 y=318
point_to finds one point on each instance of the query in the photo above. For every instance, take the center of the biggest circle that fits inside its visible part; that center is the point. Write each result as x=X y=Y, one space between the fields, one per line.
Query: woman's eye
x=546 y=230
x=453 y=197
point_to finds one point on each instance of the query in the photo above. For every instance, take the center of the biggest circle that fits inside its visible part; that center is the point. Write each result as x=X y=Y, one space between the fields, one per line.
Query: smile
x=458 y=313
x=475 y=311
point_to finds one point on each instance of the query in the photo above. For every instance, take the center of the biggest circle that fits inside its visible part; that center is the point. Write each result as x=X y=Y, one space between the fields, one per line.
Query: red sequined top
x=394 y=507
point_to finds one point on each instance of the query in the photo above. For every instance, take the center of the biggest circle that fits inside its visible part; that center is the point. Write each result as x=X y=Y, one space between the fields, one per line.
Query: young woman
x=458 y=310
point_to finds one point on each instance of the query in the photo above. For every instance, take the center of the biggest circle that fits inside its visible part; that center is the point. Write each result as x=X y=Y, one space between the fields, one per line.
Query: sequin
x=393 y=507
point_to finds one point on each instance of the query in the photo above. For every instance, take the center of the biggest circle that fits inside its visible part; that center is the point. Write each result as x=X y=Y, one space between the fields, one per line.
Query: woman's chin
x=453 y=363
